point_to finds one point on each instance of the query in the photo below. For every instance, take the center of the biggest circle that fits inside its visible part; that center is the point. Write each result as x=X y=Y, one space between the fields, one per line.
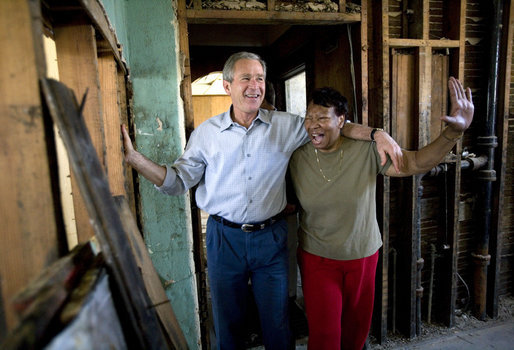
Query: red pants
x=338 y=300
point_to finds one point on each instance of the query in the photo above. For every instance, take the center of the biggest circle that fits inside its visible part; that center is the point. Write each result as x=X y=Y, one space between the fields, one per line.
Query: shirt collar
x=226 y=122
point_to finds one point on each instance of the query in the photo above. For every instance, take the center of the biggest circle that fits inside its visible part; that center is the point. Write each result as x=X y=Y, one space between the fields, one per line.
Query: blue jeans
x=233 y=258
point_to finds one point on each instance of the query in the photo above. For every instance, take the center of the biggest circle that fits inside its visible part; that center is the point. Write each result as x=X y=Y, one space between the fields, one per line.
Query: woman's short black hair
x=329 y=97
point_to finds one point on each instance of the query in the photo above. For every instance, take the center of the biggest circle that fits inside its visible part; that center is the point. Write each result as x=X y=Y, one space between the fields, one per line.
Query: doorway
x=297 y=62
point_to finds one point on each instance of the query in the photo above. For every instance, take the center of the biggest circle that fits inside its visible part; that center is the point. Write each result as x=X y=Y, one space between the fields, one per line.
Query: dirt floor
x=463 y=321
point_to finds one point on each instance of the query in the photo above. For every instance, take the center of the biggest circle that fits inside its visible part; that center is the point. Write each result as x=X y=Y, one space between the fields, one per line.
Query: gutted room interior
x=86 y=240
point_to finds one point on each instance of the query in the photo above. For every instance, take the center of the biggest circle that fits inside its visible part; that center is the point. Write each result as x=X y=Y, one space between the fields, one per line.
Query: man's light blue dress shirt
x=240 y=172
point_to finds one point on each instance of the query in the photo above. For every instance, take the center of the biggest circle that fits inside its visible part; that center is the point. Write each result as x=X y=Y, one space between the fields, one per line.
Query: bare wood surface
x=96 y=13
x=124 y=90
x=39 y=304
x=140 y=317
x=151 y=279
x=439 y=93
x=404 y=99
x=423 y=97
x=185 y=84
x=27 y=208
x=364 y=62
x=78 y=68
x=206 y=106
x=450 y=294
x=399 y=43
x=270 y=17
x=108 y=74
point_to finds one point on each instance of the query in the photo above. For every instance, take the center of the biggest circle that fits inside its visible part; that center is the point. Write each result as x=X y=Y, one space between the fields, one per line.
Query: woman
x=335 y=179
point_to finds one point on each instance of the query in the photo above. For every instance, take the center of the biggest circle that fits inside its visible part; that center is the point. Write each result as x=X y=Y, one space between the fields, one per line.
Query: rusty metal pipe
x=488 y=141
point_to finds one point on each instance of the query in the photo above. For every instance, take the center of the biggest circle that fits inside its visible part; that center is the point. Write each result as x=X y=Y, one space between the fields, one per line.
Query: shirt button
x=248 y=155
x=249 y=178
x=251 y=201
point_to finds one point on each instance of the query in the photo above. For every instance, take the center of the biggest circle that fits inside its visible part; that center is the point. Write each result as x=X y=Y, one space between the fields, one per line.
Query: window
x=296 y=95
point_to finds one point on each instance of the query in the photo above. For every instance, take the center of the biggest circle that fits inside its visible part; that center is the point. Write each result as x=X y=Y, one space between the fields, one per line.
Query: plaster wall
x=149 y=35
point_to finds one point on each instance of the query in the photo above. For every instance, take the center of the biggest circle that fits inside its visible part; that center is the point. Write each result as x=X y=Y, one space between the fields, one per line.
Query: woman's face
x=323 y=126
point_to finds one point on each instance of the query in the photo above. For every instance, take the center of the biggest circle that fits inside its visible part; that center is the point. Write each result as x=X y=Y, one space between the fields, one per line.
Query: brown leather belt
x=256 y=226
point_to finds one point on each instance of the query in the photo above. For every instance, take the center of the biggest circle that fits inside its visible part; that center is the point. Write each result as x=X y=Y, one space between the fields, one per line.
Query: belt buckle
x=247 y=227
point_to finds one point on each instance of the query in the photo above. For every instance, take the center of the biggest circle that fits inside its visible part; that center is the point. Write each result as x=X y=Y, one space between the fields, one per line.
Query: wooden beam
x=269 y=17
x=41 y=301
x=449 y=299
x=364 y=62
x=399 y=43
x=128 y=286
x=124 y=90
x=28 y=208
x=379 y=22
x=185 y=84
x=78 y=68
x=403 y=98
x=151 y=279
x=108 y=74
x=97 y=15
x=342 y=6
x=424 y=97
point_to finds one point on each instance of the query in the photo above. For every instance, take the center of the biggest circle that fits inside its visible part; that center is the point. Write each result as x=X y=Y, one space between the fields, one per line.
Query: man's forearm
x=357 y=131
x=152 y=171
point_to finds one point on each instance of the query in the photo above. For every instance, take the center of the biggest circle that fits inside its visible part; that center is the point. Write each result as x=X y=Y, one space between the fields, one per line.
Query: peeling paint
x=159 y=122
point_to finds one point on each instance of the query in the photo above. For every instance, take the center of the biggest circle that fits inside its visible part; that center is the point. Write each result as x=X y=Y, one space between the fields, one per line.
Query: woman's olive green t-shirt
x=338 y=217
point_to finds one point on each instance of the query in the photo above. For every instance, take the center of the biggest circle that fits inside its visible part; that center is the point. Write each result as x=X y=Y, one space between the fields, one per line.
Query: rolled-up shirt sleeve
x=186 y=171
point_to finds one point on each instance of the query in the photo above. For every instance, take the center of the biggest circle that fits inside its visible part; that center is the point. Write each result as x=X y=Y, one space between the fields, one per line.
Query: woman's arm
x=461 y=116
x=385 y=143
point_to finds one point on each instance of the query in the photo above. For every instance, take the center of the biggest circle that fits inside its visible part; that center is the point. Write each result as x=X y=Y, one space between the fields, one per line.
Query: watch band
x=372 y=135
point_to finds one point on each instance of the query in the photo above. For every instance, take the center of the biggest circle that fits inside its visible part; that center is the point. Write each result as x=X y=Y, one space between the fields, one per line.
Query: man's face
x=323 y=126
x=248 y=86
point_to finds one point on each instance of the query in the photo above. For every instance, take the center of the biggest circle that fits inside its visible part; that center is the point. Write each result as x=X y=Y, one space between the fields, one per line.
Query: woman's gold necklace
x=319 y=165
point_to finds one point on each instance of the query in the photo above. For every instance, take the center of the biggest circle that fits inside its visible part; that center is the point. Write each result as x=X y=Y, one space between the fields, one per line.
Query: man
x=239 y=160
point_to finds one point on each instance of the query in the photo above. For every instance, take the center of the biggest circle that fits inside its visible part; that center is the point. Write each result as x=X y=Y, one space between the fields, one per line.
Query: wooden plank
x=439 y=94
x=497 y=233
x=399 y=43
x=125 y=90
x=140 y=316
x=450 y=303
x=108 y=74
x=424 y=88
x=426 y=19
x=342 y=6
x=63 y=273
x=63 y=165
x=207 y=106
x=185 y=84
x=39 y=304
x=186 y=94
x=269 y=17
x=364 y=63
x=404 y=99
x=151 y=279
x=381 y=118
x=28 y=208
x=97 y=15
x=78 y=68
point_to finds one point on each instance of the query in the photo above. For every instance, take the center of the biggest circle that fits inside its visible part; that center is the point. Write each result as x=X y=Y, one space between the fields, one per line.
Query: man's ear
x=226 y=86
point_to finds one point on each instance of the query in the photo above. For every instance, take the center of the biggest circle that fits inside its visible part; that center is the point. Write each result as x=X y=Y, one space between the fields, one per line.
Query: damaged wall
x=150 y=34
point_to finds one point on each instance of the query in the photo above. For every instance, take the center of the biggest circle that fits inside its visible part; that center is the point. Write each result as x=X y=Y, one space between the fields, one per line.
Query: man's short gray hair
x=228 y=69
